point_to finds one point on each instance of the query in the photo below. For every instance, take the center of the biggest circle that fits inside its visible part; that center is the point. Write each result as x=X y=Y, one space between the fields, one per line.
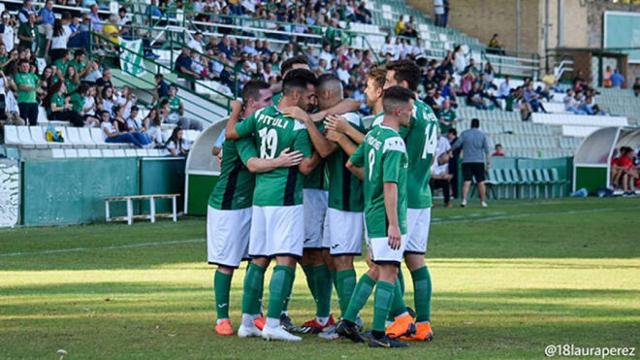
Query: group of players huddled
x=303 y=180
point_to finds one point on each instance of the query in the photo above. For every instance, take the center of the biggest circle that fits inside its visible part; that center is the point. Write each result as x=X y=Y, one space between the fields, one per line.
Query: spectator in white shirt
x=388 y=48
x=505 y=88
x=326 y=55
x=196 y=43
x=177 y=145
x=459 y=62
x=343 y=73
x=7 y=31
x=440 y=177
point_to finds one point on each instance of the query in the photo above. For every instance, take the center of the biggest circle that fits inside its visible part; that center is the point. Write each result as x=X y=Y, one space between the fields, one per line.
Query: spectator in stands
x=28 y=34
x=105 y=80
x=439 y=13
x=94 y=18
x=440 y=177
x=27 y=83
x=495 y=46
x=447 y=117
x=589 y=107
x=177 y=145
x=624 y=172
x=59 y=40
x=26 y=11
x=137 y=125
x=617 y=80
x=89 y=108
x=7 y=31
x=71 y=79
x=487 y=76
x=499 y=151
x=475 y=147
x=400 y=26
x=153 y=123
x=459 y=61
x=636 y=87
x=47 y=19
x=111 y=134
x=47 y=79
x=8 y=106
x=454 y=160
x=183 y=64
x=196 y=43
x=122 y=125
x=59 y=107
x=571 y=104
x=606 y=78
x=505 y=88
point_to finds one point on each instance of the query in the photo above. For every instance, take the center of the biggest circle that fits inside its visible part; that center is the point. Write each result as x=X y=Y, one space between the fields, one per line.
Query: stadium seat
x=95 y=153
x=98 y=139
x=11 y=135
x=85 y=137
x=119 y=153
x=24 y=137
x=525 y=182
x=38 y=136
x=83 y=153
x=142 y=152
x=130 y=152
x=57 y=153
x=107 y=153
x=542 y=180
x=555 y=178
x=70 y=153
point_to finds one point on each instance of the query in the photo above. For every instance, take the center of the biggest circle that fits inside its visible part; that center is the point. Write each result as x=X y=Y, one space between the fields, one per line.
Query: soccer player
x=381 y=161
x=421 y=138
x=277 y=225
x=293 y=63
x=229 y=210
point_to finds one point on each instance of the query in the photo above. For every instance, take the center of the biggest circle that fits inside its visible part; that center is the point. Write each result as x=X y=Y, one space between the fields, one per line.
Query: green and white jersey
x=317 y=178
x=383 y=156
x=421 y=138
x=272 y=132
x=345 y=189
x=234 y=189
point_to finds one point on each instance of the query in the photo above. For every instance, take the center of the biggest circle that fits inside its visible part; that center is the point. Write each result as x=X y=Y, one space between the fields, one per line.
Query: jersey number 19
x=268 y=143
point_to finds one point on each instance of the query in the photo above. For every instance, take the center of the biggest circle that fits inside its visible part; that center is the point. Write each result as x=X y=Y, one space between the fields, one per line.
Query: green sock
x=401 y=280
x=324 y=288
x=383 y=299
x=285 y=307
x=253 y=288
x=309 y=274
x=361 y=294
x=280 y=286
x=334 y=278
x=346 y=282
x=422 y=293
x=221 y=288
x=398 y=305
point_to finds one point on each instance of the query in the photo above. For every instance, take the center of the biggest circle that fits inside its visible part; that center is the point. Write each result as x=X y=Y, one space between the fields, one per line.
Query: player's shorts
x=473 y=170
x=277 y=231
x=315 y=207
x=228 y=236
x=418 y=224
x=345 y=229
x=381 y=252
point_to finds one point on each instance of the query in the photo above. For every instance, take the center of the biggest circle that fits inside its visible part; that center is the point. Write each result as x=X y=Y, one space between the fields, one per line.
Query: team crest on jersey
x=395 y=144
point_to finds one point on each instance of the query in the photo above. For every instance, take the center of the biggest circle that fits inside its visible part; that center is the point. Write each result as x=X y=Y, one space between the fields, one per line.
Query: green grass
x=508 y=281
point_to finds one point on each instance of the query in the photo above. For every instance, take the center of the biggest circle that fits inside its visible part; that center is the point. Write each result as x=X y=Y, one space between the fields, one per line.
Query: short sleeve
x=171 y=145
x=247 y=126
x=391 y=163
x=302 y=143
x=246 y=149
x=357 y=158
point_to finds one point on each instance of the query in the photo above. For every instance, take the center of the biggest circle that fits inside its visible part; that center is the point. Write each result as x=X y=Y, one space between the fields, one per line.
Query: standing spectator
x=196 y=43
x=7 y=31
x=28 y=34
x=447 y=117
x=26 y=11
x=59 y=41
x=499 y=151
x=400 y=25
x=459 y=61
x=27 y=84
x=617 y=80
x=452 y=136
x=606 y=78
x=45 y=29
x=475 y=148
x=636 y=87
x=505 y=88
x=94 y=19
x=440 y=177
x=439 y=11
x=162 y=88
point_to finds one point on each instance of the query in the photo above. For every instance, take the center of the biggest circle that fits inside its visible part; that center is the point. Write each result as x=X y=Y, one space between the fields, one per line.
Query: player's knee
x=414 y=261
x=261 y=261
x=225 y=270
x=343 y=262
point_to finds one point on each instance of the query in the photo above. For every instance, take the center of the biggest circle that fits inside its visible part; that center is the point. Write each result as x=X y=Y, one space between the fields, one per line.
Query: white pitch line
x=453 y=219
x=112 y=247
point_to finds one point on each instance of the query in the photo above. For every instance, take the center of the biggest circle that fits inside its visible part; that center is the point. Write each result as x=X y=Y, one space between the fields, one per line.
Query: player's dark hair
x=406 y=70
x=251 y=89
x=287 y=65
x=378 y=75
x=394 y=97
x=453 y=131
x=298 y=79
x=475 y=123
x=325 y=80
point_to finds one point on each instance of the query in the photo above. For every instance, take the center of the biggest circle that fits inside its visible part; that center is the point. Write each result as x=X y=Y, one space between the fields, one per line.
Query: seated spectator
x=123 y=126
x=488 y=75
x=89 y=107
x=505 y=88
x=111 y=133
x=153 y=123
x=400 y=25
x=177 y=145
x=9 y=112
x=137 y=125
x=499 y=151
x=623 y=171
x=571 y=104
x=494 y=46
x=59 y=107
x=183 y=64
x=636 y=87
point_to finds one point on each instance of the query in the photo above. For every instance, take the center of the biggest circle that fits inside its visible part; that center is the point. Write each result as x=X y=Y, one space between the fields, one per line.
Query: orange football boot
x=402 y=325
x=224 y=328
x=423 y=333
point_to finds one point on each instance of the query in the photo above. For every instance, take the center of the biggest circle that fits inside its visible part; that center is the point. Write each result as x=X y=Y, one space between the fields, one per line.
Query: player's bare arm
x=343 y=141
x=286 y=159
x=357 y=171
x=234 y=117
x=344 y=106
x=320 y=143
x=391 y=208
x=341 y=125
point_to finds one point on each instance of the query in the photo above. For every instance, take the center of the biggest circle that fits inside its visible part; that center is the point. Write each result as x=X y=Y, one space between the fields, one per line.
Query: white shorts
x=228 y=236
x=381 y=252
x=345 y=229
x=315 y=207
x=418 y=223
x=277 y=230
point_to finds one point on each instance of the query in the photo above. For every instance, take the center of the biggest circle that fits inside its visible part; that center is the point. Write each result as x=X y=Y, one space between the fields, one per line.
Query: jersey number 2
x=268 y=143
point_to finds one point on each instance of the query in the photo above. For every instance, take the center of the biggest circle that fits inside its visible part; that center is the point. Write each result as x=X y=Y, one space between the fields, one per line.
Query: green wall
x=72 y=191
x=591 y=178
x=200 y=187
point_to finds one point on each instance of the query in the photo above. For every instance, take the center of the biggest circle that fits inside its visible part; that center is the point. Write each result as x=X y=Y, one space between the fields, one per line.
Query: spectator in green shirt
x=447 y=118
x=27 y=83
x=28 y=33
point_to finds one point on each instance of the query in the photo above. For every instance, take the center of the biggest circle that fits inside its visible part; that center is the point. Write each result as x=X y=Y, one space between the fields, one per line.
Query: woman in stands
x=59 y=107
x=153 y=123
x=108 y=101
x=88 y=110
x=120 y=123
x=177 y=145
x=47 y=80
x=71 y=79
x=59 y=41
x=112 y=135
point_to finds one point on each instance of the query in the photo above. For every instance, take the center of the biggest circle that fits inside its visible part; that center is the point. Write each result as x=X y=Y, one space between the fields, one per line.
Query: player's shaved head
x=329 y=90
x=251 y=89
x=404 y=71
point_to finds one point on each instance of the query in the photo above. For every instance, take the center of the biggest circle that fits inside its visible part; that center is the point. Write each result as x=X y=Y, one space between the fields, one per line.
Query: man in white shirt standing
x=438 y=10
x=440 y=177
x=7 y=31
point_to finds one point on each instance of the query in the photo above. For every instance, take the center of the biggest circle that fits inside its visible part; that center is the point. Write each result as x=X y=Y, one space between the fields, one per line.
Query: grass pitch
x=508 y=280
